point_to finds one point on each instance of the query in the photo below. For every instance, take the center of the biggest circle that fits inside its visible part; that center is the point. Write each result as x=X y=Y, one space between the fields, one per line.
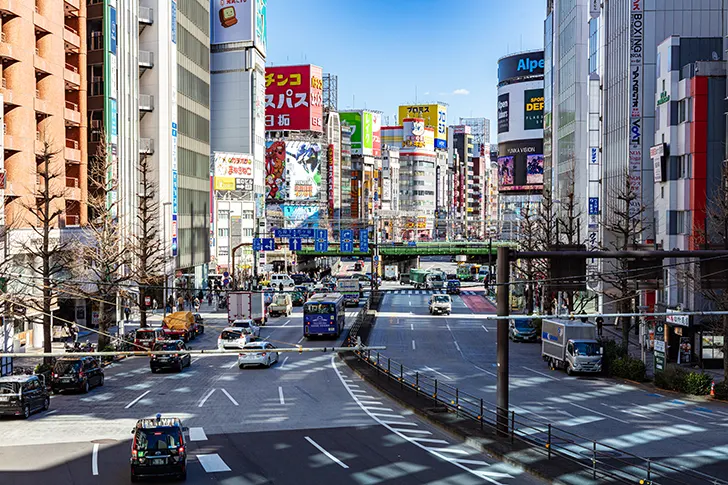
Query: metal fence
x=602 y=461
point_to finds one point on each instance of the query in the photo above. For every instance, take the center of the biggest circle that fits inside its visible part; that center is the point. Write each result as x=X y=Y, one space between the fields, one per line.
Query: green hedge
x=676 y=378
x=612 y=352
x=721 y=390
x=628 y=368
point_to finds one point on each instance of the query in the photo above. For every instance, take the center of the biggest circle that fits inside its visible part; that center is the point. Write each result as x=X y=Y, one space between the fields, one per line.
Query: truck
x=391 y=272
x=179 y=325
x=436 y=280
x=351 y=290
x=246 y=305
x=418 y=277
x=571 y=345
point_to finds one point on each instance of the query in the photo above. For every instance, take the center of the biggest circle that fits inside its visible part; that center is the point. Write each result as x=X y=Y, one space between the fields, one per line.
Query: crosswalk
x=430 y=292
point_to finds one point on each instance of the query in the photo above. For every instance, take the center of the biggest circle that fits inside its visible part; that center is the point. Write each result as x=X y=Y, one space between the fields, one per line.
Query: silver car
x=266 y=356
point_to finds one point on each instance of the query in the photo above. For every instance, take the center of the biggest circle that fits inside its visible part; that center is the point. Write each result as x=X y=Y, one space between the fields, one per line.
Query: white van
x=281 y=278
x=281 y=305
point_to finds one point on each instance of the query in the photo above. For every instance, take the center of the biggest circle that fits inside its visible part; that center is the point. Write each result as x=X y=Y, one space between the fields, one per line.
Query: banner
x=275 y=170
x=231 y=21
x=294 y=98
x=303 y=174
x=503 y=113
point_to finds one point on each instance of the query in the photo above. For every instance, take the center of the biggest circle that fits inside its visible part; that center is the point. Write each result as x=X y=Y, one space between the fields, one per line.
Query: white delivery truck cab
x=571 y=345
x=350 y=288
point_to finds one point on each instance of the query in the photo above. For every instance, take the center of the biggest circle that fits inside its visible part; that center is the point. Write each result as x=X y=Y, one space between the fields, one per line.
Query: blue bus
x=324 y=314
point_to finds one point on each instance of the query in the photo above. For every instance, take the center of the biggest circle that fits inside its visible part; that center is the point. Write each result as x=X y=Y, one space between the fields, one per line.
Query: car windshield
x=230 y=335
x=157 y=439
x=524 y=324
x=319 y=308
x=453 y=283
x=67 y=366
x=441 y=299
x=166 y=346
x=145 y=334
x=9 y=387
x=255 y=346
x=587 y=348
x=241 y=324
x=280 y=300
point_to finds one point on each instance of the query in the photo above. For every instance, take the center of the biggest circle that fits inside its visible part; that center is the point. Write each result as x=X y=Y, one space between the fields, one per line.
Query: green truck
x=427 y=279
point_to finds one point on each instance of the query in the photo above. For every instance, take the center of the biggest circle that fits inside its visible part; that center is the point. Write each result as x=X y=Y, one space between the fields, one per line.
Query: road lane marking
x=385 y=410
x=287 y=322
x=471 y=462
x=95 y=460
x=457 y=346
x=329 y=455
x=649 y=410
x=284 y=362
x=395 y=423
x=484 y=328
x=137 y=400
x=413 y=345
x=414 y=431
x=229 y=397
x=486 y=371
x=197 y=434
x=300 y=340
x=204 y=399
x=384 y=415
x=280 y=395
x=440 y=373
x=457 y=451
x=410 y=303
x=434 y=441
x=597 y=412
x=212 y=463
x=412 y=326
x=541 y=373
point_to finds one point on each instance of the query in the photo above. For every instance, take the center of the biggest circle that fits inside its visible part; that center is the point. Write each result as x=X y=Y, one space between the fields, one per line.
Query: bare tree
x=530 y=240
x=48 y=247
x=102 y=254
x=146 y=242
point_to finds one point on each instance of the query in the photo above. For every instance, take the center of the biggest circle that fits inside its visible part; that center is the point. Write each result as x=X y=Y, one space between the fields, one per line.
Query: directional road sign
x=269 y=244
x=412 y=243
x=321 y=246
x=364 y=240
x=295 y=244
x=257 y=244
x=300 y=233
x=346 y=245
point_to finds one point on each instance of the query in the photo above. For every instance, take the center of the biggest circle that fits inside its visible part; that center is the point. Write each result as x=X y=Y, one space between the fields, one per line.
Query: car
x=306 y=290
x=440 y=303
x=76 y=373
x=281 y=305
x=364 y=280
x=453 y=287
x=145 y=337
x=23 y=395
x=158 y=448
x=298 y=298
x=358 y=266
x=175 y=360
x=199 y=325
x=232 y=338
x=279 y=279
x=248 y=325
x=266 y=357
x=301 y=279
x=523 y=330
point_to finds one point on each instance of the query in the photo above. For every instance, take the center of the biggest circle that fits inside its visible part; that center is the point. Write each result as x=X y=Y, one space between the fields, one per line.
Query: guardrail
x=604 y=462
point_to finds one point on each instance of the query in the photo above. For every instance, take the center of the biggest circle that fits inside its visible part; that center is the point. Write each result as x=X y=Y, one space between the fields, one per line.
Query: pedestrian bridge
x=405 y=250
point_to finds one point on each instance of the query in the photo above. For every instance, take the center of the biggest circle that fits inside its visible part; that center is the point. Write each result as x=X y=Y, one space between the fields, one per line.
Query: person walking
x=600 y=325
x=197 y=304
x=155 y=305
x=127 y=312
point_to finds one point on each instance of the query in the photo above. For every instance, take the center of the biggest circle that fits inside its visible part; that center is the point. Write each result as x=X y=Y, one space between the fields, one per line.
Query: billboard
x=503 y=112
x=233 y=165
x=520 y=111
x=520 y=165
x=353 y=119
x=261 y=26
x=533 y=109
x=416 y=136
x=435 y=116
x=300 y=216
x=276 y=187
x=528 y=64
x=303 y=174
x=376 y=134
x=294 y=98
x=231 y=21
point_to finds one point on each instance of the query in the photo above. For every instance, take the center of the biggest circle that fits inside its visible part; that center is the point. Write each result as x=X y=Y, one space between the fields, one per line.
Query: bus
x=323 y=314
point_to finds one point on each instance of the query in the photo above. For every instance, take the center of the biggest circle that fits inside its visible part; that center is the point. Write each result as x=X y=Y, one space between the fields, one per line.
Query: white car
x=440 y=303
x=267 y=355
x=281 y=279
x=232 y=338
x=248 y=325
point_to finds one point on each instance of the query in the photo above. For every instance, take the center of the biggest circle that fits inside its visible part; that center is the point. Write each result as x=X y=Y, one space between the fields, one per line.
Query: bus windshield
x=318 y=308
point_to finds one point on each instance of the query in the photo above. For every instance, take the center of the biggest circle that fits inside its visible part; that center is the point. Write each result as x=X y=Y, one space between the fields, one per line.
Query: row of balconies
x=72 y=191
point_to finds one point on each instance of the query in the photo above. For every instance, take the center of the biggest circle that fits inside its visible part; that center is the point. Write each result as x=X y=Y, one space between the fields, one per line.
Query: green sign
x=353 y=119
x=664 y=98
x=533 y=109
x=659 y=354
x=367 y=132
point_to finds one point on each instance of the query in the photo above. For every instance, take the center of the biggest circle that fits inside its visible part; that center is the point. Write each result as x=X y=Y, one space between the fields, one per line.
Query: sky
x=391 y=52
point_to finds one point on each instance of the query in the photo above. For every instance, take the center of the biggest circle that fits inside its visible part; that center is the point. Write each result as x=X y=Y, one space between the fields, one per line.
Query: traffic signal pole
x=502 y=293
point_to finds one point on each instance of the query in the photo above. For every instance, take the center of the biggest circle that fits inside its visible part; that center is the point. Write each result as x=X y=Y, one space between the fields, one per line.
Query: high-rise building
x=480 y=129
x=460 y=145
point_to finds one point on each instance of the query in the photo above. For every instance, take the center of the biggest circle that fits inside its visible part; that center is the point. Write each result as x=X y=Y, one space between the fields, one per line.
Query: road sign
x=268 y=244
x=346 y=245
x=412 y=243
x=295 y=244
x=376 y=259
x=321 y=246
x=322 y=235
x=364 y=240
x=257 y=244
x=300 y=233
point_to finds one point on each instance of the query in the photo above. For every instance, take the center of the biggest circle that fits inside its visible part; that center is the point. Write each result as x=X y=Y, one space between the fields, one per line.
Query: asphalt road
x=307 y=419
x=460 y=350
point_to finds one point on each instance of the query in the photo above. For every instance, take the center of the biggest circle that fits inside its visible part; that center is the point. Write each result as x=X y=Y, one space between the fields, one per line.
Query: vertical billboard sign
x=330 y=172
x=294 y=98
x=173 y=111
x=261 y=26
x=376 y=135
x=503 y=113
x=354 y=120
x=435 y=116
x=303 y=173
x=275 y=170
x=231 y=21
x=367 y=132
x=636 y=50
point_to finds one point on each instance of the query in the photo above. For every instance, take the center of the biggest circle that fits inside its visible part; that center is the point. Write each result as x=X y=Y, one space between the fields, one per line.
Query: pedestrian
x=209 y=298
x=74 y=332
x=600 y=325
x=180 y=304
x=127 y=312
x=155 y=305
x=197 y=304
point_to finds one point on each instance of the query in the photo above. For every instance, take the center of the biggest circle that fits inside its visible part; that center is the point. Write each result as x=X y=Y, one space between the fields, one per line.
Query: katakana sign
x=294 y=98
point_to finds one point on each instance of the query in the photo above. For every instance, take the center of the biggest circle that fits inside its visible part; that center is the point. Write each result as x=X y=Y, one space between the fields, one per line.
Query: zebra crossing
x=430 y=292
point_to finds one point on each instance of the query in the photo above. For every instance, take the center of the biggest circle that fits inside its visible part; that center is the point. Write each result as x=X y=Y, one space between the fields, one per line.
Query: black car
x=453 y=287
x=76 y=374
x=524 y=330
x=199 y=325
x=23 y=395
x=174 y=360
x=300 y=279
x=158 y=448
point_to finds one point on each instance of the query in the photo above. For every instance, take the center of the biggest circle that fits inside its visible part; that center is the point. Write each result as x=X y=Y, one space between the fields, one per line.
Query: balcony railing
x=72 y=68
x=72 y=220
x=71 y=144
x=72 y=106
x=72 y=182
x=146 y=59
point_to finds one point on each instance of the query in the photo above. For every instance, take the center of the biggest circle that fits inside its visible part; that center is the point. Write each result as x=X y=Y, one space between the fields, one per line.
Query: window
x=96 y=80
x=248 y=232
x=682 y=222
x=683 y=110
x=223 y=232
x=248 y=214
x=194 y=126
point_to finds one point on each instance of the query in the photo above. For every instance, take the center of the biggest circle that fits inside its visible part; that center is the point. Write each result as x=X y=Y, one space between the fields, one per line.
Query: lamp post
x=166 y=255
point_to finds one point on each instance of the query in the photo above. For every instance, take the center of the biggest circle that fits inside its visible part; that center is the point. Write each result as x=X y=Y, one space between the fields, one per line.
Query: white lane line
x=280 y=395
x=540 y=373
x=284 y=362
x=287 y=322
x=648 y=411
x=457 y=451
x=385 y=410
x=410 y=303
x=137 y=400
x=197 y=434
x=434 y=441
x=597 y=412
x=384 y=415
x=471 y=462
x=234 y=364
x=484 y=328
x=440 y=373
x=204 y=399
x=413 y=345
x=212 y=463
x=300 y=340
x=230 y=397
x=412 y=326
x=395 y=423
x=486 y=371
x=193 y=361
x=329 y=455
x=52 y=411
x=457 y=346
x=95 y=460
x=414 y=431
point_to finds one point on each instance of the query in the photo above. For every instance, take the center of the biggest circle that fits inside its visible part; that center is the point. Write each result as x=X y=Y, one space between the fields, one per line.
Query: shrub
x=612 y=352
x=628 y=368
x=697 y=383
x=721 y=390
x=108 y=358
x=43 y=368
x=672 y=378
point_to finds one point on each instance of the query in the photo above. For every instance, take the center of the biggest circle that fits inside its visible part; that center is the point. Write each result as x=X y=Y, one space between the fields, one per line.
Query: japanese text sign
x=294 y=98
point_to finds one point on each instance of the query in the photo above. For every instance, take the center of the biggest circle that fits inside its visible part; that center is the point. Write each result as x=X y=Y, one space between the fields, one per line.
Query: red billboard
x=294 y=98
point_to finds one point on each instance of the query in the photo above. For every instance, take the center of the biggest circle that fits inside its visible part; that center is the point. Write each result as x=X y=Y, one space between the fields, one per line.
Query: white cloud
x=461 y=91
x=427 y=93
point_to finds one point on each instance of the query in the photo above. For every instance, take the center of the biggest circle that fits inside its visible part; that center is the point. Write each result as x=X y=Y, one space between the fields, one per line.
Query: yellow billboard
x=435 y=116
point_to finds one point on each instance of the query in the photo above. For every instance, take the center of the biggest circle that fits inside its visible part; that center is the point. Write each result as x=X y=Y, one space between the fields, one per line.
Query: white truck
x=572 y=345
x=391 y=272
x=351 y=290
x=246 y=305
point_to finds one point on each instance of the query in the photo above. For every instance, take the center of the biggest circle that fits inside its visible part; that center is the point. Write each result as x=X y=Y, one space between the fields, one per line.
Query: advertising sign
x=300 y=216
x=533 y=109
x=303 y=174
x=593 y=206
x=415 y=135
x=364 y=240
x=232 y=21
x=294 y=98
x=529 y=64
x=367 y=132
x=636 y=51
x=261 y=25
x=275 y=170
x=657 y=154
x=233 y=165
x=354 y=120
x=435 y=116
x=503 y=112
x=520 y=165
x=330 y=172
x=376 y=135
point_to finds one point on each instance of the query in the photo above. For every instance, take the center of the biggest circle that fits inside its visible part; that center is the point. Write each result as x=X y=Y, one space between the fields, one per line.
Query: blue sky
x=384 y=50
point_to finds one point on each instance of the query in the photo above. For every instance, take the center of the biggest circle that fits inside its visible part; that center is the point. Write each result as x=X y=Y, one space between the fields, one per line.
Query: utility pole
x=503 y=291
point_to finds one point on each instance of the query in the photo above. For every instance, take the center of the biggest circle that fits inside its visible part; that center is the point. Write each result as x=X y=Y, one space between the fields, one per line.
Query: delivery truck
x=246 y=305
x=351 y=290
x=179 y=325
x=391 y=272
x=571 y=345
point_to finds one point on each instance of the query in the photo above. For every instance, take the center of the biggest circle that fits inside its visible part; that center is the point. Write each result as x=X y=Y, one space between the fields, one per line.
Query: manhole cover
x=106 y=441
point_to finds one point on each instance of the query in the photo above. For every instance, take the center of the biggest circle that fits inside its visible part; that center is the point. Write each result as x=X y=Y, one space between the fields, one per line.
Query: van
x=281 y=305
x=23 y=395
x=281 y=279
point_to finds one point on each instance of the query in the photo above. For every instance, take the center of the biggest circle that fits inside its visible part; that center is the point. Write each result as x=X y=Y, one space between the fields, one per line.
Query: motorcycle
x=80 y=347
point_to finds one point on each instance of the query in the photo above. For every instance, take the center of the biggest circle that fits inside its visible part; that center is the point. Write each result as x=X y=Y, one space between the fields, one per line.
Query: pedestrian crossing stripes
x=430 y=292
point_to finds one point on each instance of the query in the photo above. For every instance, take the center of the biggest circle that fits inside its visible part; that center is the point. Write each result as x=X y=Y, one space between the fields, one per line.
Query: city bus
x=323 y=314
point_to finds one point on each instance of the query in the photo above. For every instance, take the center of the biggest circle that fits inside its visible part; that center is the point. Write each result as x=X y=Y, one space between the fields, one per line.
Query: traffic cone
x=712 y=389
